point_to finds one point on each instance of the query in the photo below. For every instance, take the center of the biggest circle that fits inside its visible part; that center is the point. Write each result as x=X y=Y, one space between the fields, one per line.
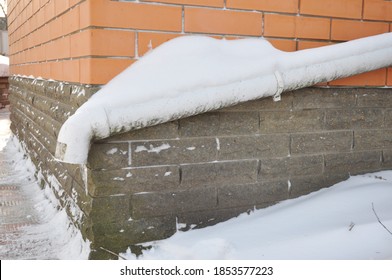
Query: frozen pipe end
x=76 y=134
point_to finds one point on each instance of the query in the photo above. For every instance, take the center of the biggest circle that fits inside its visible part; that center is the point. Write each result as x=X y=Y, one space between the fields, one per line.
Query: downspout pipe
x=103 y=116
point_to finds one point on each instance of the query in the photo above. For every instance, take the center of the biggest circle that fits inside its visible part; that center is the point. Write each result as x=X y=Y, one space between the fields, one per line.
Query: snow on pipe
x=195 y=74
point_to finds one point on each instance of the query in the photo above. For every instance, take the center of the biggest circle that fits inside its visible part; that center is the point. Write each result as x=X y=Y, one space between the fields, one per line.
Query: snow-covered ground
x=334 y=223
x=340 y=222
x=31 y=224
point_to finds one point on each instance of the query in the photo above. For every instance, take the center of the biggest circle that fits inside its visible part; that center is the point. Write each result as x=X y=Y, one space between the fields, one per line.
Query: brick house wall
x=215 y=165
x=91 y=41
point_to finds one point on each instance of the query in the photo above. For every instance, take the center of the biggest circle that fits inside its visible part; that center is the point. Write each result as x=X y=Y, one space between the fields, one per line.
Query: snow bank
x=333 y=223
x=52 y=235
x=191 y=75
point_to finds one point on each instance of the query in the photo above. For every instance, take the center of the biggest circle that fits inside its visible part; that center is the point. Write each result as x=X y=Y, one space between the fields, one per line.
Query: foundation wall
x=147 y=184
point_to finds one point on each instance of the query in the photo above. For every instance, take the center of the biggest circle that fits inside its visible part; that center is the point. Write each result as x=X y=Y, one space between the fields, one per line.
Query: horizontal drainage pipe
x=123 y=106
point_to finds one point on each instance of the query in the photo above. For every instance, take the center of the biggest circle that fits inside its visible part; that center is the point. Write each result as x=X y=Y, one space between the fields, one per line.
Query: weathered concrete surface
x=207 y=168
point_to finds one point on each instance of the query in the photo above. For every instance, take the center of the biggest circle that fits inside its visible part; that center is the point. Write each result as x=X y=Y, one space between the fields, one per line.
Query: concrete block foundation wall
x=197 y=171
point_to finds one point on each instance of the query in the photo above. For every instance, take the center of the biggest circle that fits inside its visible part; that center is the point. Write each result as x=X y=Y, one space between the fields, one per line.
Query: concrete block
x=372 y=139
x=164 y=152
x=199 y=126
x=388 y=118
x=118 y=237
x=363 y=118
x=252 y=194
x=320 y=98
x=387 y=159
x=110 y=209
x=353 y=163
x=50 y=88
x=374 y=98
x=62 y=92
x=40 y=86
x=219 y=173
x=153 y=204
x=324 y=142
x=220 y=123
x=291 y=121
x=264 y=104
x=129 y=181
x=204 y=218
x=284 y=168
x=108 y=156
x=238 y=123
x=248 y=147
x=167 y=130
x=81 y=93
x=304 y=185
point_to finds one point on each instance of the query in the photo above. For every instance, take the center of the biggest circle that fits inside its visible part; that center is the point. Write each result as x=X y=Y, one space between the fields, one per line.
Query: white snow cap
x=195 y=74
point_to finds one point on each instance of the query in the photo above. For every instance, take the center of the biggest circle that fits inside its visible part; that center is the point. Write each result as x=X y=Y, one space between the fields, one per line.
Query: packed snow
x=195 y=74
x=44 y=230
x=340 y=222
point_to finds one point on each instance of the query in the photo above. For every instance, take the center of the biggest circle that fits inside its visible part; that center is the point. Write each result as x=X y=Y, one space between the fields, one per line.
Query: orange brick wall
x=91 y=41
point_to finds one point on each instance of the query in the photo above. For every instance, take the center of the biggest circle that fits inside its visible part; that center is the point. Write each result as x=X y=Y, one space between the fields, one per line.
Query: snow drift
x=336 y=223
x=192 y=75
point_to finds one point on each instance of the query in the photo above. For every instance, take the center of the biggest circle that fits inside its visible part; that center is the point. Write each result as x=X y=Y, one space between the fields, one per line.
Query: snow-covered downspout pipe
x=193 y=75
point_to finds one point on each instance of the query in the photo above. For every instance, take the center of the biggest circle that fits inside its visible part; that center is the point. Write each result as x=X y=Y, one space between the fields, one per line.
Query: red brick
x=56 y=70
x=303 y=45
x=63 y=47
x=135 y=15
x=311 y=27
x=45 y=70
x=36 y=6
x=56 y=28
x=389 y=81
x=101 y=70
x=61 y=6
x=333 y=8
x=71 y=70
x=276 y=25
x=71 y=21
x=85 y=10
x=283 y=6
x=283 y=45
x=73 y=2
x=112 y=42
x=103 y=42
x=153 y=40
x=373 y=78
x=49 y=11
x=209 y=3
x=377 y=10
x=345 y=30
x=199 y=20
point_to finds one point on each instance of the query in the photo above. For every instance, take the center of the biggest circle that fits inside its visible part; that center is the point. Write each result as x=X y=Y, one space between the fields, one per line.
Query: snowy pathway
x=30 y=226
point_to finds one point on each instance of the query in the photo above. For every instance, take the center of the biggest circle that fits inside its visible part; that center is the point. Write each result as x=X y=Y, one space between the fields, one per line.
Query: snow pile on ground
x=64 y=240
x=48 y=234
x=4 y=128
x=334 y=223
